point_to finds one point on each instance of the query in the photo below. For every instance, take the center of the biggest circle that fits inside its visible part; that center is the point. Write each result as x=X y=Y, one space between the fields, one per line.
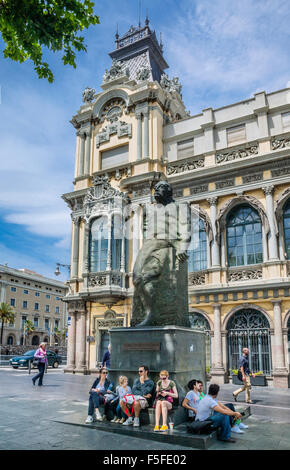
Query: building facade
x=35 y=298
x=231 y=165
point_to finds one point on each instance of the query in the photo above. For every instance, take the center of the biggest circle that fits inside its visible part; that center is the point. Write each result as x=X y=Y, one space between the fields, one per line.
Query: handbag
x=200 y=427
x=130 y=400
x=240 y=375
x=36 y=361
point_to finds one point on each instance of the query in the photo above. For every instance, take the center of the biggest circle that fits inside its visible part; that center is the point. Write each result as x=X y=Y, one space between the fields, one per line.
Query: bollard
x=29 y=367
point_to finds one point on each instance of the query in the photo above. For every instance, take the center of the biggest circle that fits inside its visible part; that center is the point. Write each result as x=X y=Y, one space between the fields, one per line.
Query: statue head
x=163 y=193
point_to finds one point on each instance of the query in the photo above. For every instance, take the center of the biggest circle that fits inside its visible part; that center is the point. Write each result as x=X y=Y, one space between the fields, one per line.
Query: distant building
x=232 y=165
x=35 y=298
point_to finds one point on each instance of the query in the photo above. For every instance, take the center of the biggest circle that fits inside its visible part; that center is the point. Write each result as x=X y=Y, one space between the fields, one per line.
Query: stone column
x=280 y=373
x=87 y=155
x=82 y=155
x=81 y=356
x=71 y=344
x=86 y=234
x=215 y=247
x=217 y=372
x=109 y=254
x=272 y=238
x=75 y=252
x=135 y=247
x=146 y=134
x=139 y=136
x=224 y=352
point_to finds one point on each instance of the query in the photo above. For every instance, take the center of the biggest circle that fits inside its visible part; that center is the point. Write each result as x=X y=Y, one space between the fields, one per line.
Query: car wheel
x=55 y=365
x=15 y=367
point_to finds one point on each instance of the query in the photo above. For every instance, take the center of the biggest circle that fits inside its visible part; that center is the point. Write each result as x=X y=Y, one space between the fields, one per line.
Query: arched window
x=117 y=235
x=197 y=250
x=199 y=322
x=99 y=244
x=10 y=340
x=249 y=328
x=286 y=220
x=244 y=237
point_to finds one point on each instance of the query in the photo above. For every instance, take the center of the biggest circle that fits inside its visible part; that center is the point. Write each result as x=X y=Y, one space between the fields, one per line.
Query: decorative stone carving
x=116 y=71
x=143 y=73
x=108 y=324
x=181 y=167
x=237 y=154
x=245 y=275
x=76 y=306
x=120 y=128
x=105 y=279
x=268 y=189
x=203 y=188
x=225 y=184
x=170 y=84
x=280 y=143
x=196 y=279
x=88 y=94
x=253 y=178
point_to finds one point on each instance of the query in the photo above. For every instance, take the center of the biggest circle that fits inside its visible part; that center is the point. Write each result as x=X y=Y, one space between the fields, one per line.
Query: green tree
x=56 y=333
x=28 y=328
x=27 y=26
x=7 y=315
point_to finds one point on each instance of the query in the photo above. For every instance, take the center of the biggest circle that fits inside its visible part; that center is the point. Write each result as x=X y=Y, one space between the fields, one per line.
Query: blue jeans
x=222 y=422
x=95 y=401
x=41 y=368
x=120 y=413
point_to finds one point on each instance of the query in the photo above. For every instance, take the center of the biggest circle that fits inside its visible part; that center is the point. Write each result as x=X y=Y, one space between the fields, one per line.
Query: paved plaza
x=30 y=417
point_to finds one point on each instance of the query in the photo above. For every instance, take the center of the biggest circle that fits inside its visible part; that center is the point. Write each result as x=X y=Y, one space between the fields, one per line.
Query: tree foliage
x=27 y=26
x=7 y=315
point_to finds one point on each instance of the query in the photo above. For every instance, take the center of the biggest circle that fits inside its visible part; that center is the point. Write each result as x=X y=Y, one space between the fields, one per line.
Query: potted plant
x=259 y=380
x=235 y=380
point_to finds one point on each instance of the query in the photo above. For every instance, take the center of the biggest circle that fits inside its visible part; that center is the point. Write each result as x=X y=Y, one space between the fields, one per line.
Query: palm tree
x=56 y=334
x=7 y=315
x=28 y=327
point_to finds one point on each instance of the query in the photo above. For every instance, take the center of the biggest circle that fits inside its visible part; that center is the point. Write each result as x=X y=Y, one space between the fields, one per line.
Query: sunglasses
x=140 y=371
x=105 y=373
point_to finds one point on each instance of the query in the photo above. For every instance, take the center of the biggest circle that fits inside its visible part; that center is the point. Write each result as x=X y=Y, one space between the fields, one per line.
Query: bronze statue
x=160 y=270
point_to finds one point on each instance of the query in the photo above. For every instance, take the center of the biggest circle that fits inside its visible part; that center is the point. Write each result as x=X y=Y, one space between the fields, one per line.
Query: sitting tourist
x=100 y=387
x=122 y=389
x=192 y=399
x=165 y=392
x=209 y=409
x=142 y=391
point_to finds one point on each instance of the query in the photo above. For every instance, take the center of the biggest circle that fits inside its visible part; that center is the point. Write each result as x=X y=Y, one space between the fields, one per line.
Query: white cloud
x=223 y=49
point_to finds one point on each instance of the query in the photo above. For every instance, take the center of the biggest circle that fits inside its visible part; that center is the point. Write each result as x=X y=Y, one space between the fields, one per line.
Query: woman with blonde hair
x=41 y=357
x=166 y=391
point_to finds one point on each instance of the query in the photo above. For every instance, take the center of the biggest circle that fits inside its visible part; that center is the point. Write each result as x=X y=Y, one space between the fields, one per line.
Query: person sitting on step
x=166 y=391
x=100 y=387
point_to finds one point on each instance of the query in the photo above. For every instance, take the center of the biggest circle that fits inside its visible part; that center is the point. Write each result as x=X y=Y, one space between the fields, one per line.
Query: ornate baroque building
x=232 y=166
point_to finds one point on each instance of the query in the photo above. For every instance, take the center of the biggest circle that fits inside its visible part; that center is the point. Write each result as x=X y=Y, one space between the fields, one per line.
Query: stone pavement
x=30 y=417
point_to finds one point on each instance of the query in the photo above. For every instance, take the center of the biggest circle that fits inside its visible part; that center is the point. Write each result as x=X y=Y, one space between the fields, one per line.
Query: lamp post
x=57 y=270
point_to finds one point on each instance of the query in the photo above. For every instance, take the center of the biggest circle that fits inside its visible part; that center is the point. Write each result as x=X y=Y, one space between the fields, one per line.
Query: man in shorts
x=142 y=390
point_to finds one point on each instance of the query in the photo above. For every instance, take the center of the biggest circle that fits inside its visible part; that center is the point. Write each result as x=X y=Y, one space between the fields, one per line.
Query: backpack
x=200 y=427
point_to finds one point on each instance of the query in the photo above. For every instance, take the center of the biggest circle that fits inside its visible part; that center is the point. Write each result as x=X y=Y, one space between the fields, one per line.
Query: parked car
x=23 y=361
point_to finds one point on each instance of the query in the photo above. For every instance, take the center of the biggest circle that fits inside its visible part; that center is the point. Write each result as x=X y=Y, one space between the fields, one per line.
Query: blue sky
x=223 y=51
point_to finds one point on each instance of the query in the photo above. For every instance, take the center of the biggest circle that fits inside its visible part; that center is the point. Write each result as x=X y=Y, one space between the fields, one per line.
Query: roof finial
x=139 y=13
x=147 y=19
x=161 y=43
x=117 y=32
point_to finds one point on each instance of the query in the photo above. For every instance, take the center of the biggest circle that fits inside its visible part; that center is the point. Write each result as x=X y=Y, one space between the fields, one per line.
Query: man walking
x=244 y=375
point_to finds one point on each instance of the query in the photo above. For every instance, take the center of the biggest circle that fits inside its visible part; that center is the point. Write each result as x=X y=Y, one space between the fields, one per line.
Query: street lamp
x=57 y=270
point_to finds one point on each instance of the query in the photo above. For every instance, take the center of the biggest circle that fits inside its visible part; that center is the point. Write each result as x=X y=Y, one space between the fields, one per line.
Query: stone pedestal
x=281 y=378
x=179 y=350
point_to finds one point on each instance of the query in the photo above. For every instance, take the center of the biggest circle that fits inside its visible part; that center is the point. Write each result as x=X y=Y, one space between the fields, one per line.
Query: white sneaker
x=237 y=429
x=115 y=420
x=128 y=421
x=243 y=426
x=136 y=422
x=89 y=419
x=99 y=417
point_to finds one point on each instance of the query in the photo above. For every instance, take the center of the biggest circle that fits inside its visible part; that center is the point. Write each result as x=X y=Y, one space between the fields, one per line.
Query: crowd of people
x=124 y=405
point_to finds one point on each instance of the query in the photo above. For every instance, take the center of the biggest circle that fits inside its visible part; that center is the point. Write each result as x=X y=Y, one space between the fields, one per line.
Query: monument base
x=180 y=351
